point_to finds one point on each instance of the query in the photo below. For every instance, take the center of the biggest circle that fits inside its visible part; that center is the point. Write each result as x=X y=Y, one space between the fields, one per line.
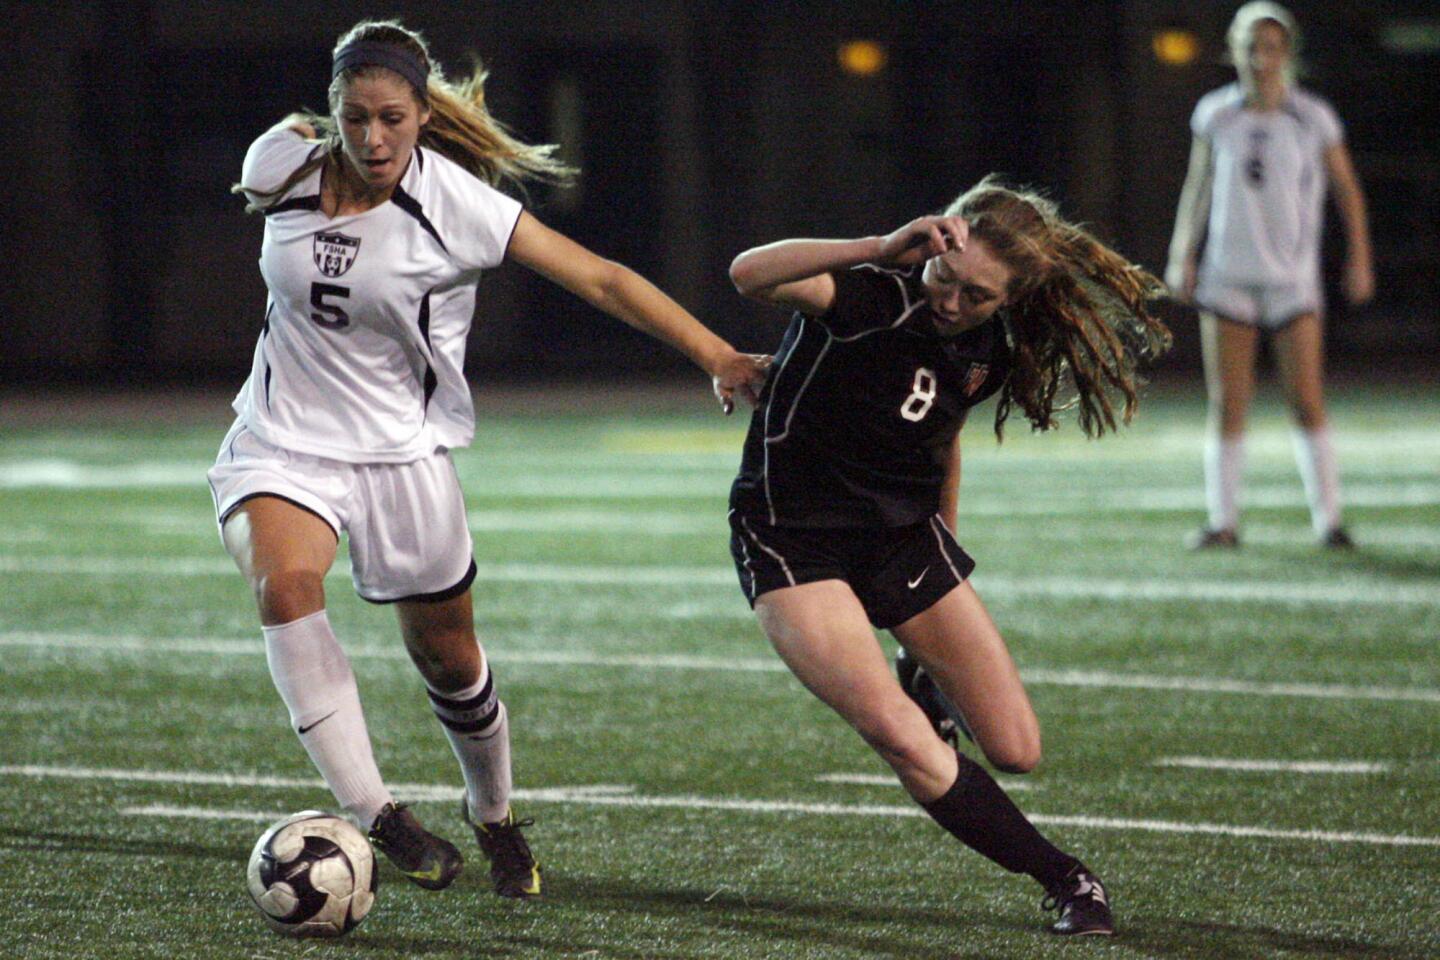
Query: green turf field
x=690 y=799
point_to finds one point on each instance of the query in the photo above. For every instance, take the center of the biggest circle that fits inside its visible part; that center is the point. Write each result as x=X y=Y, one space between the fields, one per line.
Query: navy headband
x=366 y=53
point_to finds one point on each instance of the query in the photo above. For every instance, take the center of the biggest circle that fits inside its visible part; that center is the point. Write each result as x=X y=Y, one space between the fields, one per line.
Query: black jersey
x=856 y=403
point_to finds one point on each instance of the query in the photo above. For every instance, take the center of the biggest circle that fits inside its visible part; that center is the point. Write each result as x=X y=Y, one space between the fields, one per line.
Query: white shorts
x=1268 y=306
x=409 y=539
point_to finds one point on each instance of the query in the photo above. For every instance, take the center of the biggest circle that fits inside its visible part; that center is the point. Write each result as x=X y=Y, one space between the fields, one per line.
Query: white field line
x=161 y=521
x=833 y=809
x=882 y=780
x=711 y=481
x=1347 y=592
x=608 y=795
x=1274 y=766
x=95 y=643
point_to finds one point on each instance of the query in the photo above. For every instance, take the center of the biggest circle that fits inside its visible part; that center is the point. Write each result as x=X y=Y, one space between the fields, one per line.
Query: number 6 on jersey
x=922 y=396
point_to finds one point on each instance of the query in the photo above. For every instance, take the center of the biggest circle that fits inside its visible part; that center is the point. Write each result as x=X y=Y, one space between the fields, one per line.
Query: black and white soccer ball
x=312 y=874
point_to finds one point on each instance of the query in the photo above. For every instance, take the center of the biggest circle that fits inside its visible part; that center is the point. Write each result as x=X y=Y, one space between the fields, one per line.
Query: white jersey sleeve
x=1318 y=113
x=474 y=218
x=270 y=161
x=1210 y=106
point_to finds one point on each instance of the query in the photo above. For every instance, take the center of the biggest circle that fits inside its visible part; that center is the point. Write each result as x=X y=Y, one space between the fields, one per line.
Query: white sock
x=1319 y=471
x=478 y=729
x=314 y=678
x=1224 y=467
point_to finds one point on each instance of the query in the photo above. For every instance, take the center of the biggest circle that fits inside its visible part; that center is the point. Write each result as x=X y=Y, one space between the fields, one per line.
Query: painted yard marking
x=1331 y=593
x=608 y=796
x=882 y=780
x=1274 y=766
x=52 y=642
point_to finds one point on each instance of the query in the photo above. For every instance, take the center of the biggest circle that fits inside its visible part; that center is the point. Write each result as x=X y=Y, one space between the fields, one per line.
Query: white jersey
x=361 y=357
x=1268 y=196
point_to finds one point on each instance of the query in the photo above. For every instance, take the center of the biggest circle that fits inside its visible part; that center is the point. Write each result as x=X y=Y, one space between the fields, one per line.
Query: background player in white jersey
x=378 y=221
x=843 y=510
x=1263 y=151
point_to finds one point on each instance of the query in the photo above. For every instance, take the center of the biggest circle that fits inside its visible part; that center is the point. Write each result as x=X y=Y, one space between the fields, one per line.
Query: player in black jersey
x=843 y=511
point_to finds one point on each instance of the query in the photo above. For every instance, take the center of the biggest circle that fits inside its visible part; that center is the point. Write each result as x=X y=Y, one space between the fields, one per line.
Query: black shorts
x=896 y=572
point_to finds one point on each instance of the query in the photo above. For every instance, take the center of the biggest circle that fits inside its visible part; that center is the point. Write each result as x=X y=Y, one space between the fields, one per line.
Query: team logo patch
x=975 y=378
x=334 y=252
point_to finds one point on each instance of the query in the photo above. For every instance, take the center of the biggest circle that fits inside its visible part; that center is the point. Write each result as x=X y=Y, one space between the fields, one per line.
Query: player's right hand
x=921 y=239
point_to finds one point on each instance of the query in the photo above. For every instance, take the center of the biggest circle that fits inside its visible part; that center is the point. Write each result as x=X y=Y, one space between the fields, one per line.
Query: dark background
x=702 y=128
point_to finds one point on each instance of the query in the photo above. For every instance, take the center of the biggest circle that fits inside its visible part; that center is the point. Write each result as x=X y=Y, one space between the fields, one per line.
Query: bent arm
x=796 y=273
x=1350 y=198
x=298 y=122
x=1190 y=217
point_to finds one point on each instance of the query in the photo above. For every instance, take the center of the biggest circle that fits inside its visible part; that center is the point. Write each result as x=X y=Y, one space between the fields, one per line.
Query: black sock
x=986 y=820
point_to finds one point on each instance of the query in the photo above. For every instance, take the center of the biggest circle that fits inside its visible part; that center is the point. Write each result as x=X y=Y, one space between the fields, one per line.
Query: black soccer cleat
x=425 y=859
x=1208 y=539
x=949 y=723
x=1083 y=905
x=1337 y=538
x=513 y=869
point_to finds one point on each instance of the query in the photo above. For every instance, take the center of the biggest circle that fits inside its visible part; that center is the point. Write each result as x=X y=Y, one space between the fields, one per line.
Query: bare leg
x=959 y=646
x=1229 y=355
x=821 y=632
x=284 y=552
x=441 y=640
x=1299 y=353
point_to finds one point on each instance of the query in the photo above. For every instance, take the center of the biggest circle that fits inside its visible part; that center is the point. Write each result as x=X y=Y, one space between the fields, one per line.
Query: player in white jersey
x=378 y=222
x=1264 y=150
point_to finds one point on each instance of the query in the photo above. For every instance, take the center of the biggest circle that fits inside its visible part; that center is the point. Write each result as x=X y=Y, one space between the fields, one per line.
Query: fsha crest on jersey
x=335 y=252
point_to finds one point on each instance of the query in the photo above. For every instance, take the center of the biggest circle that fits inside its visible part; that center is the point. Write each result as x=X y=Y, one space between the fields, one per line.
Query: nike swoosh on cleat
x=912 y=584
x=434 y=873
x=317 y=723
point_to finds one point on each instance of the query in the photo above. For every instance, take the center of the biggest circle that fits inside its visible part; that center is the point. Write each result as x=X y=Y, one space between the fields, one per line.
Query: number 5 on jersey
x=328 y=315
x=922 y=396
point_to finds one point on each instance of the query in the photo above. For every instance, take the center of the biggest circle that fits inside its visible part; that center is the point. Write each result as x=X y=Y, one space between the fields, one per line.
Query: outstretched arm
x=1359 y=263
x=627 y=296
x=796 y=273
x=1190 y=217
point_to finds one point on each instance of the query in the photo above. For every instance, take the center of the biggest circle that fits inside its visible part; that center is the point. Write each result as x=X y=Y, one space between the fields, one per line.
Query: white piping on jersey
x=814 y=366
x=935 y=526
x=765 y=446
x=745 y=551
x=779 y=559
x=894 y=274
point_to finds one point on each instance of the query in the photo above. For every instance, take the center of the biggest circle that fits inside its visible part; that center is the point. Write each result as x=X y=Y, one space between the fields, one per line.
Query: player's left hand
x=743 y=374
x=1359 y=280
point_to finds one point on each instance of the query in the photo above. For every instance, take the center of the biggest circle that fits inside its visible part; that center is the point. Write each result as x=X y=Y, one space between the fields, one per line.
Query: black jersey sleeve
x=866 y=298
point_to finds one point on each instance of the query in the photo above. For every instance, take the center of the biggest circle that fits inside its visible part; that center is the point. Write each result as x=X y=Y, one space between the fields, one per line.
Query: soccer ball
x=312 y=875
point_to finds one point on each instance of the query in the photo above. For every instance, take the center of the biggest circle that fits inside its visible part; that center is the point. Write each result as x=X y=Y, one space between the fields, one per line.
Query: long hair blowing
x=1077 y=313
x=461 y=126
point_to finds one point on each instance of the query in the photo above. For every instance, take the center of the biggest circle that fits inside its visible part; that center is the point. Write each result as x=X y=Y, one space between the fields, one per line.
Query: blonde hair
x=1075 y=310
x=460 y=127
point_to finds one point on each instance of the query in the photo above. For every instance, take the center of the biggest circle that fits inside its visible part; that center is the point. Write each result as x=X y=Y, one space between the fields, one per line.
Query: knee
x=1015 y=748
x=904 y=744
x=287 y=595
x=1018 y=757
